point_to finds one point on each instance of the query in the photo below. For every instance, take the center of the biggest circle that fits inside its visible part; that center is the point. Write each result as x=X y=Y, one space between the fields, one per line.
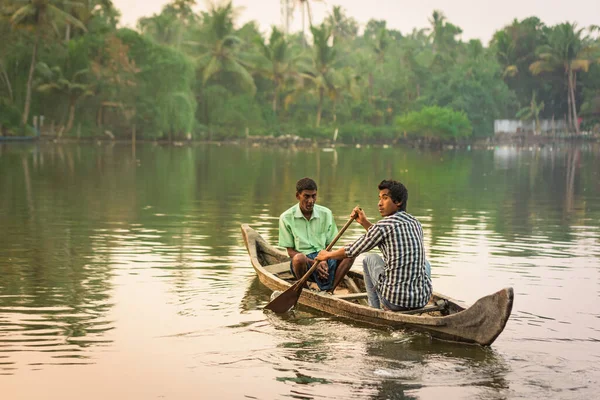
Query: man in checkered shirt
x=400 y=280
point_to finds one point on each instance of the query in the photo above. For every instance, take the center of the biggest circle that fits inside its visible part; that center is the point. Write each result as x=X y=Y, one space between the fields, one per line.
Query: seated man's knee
x=370 y=259
x=299 y=260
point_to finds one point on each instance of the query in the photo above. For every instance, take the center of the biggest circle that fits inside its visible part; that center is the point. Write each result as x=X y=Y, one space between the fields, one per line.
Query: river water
x=123 y=273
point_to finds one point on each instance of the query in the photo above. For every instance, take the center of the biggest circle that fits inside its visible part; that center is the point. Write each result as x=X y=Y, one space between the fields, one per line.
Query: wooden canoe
x=443 y=318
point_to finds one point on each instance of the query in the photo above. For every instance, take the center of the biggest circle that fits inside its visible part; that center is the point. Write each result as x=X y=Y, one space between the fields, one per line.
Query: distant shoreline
x=295 y=141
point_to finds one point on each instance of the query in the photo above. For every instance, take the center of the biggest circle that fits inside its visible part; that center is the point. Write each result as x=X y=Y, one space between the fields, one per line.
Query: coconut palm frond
x=511 y=71
x=242 y=73
x=57 y=14
x=211 y=69
x=22 y=13
x=581 y=65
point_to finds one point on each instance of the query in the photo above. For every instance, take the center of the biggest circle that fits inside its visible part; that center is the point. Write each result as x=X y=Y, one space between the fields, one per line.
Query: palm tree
x=381 y=44
x=75 y=89
x=442 y=32
x=378 y=37
x=39 y=16
x=183 y=9
x=532 y=112
x=279 y=61
x=346 y=82
x=221 y=50
x=168 y=26
x=5 y=47
x=163 y=28
x=305 y=9
x=342 y=27
x=322 y=72
x=514 y=45
x=412 y=62
x=505 y=48
x=87 y=10
x=571 y=51
x=4 y=78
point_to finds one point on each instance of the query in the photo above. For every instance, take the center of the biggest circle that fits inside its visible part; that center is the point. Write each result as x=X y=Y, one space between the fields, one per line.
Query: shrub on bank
x=10 y=121
x=437 y=123
x=362 y=133
x=10 y=117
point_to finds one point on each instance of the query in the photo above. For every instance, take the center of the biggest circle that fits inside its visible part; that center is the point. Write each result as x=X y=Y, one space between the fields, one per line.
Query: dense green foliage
x=436 y=123
x=187 y=74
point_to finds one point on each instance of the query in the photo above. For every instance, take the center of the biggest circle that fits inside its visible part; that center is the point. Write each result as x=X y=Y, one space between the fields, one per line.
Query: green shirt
x=307 y=236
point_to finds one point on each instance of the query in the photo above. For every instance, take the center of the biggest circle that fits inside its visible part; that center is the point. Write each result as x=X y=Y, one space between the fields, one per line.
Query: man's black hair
x=398 y=192
x=305 y=184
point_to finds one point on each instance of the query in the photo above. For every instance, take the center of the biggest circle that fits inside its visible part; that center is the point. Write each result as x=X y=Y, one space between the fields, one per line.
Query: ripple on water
x=57 y=336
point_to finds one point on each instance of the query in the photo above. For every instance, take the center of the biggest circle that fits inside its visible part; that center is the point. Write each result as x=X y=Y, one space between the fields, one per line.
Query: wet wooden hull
x=480 y=323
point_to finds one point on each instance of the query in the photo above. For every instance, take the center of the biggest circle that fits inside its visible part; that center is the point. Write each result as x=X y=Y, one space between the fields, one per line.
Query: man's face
x=386 y=205
x=307 y=200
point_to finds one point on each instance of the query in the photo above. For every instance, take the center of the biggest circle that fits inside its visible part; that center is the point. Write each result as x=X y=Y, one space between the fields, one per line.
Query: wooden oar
x=289 y=298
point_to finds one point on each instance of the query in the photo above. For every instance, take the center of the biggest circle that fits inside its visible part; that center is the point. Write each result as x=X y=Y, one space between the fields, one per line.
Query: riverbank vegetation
x=186 y=75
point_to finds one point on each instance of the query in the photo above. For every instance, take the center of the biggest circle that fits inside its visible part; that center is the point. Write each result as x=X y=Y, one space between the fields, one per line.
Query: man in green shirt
x=304 y=230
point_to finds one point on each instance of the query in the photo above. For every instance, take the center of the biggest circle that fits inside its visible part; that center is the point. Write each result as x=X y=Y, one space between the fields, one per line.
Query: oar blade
x=285 y=300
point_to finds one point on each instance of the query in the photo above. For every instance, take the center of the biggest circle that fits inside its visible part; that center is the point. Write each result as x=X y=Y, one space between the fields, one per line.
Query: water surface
x=123 y=272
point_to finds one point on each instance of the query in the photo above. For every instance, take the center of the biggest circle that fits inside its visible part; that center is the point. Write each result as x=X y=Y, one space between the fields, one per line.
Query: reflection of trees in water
x=56 y=276
x=204 y=192
x=193 y=199
x=572 y=165
x=510 y=193
x=545 y=190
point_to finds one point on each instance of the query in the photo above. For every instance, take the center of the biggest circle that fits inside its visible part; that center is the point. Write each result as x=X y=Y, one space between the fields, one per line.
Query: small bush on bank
x=437 y=123
x=10 y=119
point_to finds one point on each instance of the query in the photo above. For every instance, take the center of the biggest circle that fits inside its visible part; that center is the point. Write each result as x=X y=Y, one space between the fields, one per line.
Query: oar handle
x=303 y=280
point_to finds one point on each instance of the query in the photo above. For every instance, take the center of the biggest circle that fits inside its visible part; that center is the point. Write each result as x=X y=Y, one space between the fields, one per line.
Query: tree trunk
x=334 y=110
x=205 y=107
x=7 y=81
x=99 y=116
x=573 y=77
x=309 y=13
x=572 y=161
x=71 y=116
x=303 y=29
x=68 y=33
x=275 y=96
x=370 y=88
x=30 y=82
x=320 y=108
x=569 y=122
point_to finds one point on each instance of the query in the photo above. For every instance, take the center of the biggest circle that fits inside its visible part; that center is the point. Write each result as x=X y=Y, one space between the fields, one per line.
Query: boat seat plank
x=278 y=268
x=351 y=296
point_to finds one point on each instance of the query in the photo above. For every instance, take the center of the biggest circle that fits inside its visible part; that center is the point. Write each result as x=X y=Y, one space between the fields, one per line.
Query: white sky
x=477 y=18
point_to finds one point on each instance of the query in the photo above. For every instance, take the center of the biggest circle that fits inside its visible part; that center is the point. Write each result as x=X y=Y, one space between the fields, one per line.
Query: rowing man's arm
x=338 y=254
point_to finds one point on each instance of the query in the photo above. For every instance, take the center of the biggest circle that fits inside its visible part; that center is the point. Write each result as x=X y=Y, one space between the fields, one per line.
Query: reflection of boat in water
x=412 y=347
x=443 y=318
x=256 y=296
x=407 y=366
